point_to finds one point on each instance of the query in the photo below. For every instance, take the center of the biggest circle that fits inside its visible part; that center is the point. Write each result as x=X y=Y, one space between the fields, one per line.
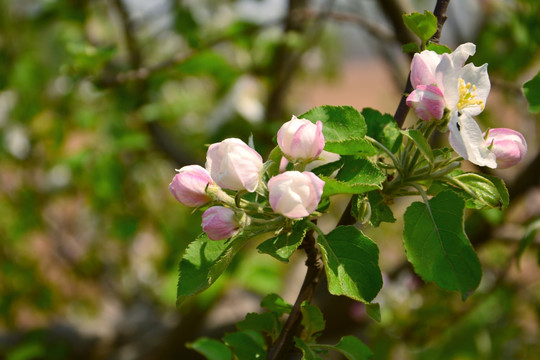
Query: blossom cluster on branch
x=234 y=169
x=447 y=90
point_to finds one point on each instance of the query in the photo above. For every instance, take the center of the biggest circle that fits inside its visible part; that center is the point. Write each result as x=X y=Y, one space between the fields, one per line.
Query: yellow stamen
x=467 y=96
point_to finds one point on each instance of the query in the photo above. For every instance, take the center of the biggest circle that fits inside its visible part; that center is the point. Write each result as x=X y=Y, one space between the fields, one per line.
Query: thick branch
x=313 y=276
x=440 y=14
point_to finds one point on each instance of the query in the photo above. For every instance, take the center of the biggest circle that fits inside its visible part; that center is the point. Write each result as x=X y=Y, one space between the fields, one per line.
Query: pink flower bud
x=427 y=101
x=508 y=145
x=423 y=68
x=300 y=139
x=189 y=185
x=295 y=194
x=234 y=165
x=219 y=223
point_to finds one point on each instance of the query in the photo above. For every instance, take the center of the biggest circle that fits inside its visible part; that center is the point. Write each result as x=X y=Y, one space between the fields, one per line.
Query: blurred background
x=100 y=100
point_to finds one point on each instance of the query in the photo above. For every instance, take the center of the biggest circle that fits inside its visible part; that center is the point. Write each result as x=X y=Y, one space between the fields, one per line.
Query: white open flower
x=465 y=90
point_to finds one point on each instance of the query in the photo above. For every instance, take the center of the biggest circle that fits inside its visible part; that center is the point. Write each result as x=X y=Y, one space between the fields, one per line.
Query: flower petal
x=467 y=140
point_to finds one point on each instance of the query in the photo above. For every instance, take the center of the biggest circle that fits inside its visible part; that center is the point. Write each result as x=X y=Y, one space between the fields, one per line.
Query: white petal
x=477 y=76
x=447 y=80
x=467 y=134
x=462 y=53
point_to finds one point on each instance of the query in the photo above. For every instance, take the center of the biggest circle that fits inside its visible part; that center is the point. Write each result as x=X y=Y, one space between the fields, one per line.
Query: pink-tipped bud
x=427 y=101
x=234 y=165
x=508 y=145
x=189 y=185
x=295 y=194
x=300 y=139
x=219 y=223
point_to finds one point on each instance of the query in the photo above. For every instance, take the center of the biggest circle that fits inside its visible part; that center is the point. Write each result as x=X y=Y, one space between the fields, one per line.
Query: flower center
x=467 y=96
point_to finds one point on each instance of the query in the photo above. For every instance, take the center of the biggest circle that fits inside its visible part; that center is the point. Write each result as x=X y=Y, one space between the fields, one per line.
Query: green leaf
x=383 y=128
x=531 y=89
x=203 y=262
x=380 y=212
x=211 y=349
x=438 y=48
x=410 y=48
x=350 y=347
x=276 y=304
x=357 y=176
x=284 y=245
x=480 y=191
x=374 y=311
x=246 y=344
x=530 y=234
x=267 y=322
x=312 y=322
x=351 y=263
x=343 y=128
x=437 y=246
x=328 y=169
x=307 y=352
x=422 y=25
x=421 y=143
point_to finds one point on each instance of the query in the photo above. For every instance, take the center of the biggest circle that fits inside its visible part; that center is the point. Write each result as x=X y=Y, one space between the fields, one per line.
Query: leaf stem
x=396 y=162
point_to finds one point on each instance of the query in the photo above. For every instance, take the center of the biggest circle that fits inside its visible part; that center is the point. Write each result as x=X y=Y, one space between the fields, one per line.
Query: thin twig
x=313 y=276
x=380 y=32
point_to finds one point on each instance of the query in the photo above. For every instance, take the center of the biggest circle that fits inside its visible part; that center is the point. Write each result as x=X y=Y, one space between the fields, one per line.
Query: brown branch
x=286 y=59
x=440 y=13
x=375 y=29
x=135 y=56
x=313 y=277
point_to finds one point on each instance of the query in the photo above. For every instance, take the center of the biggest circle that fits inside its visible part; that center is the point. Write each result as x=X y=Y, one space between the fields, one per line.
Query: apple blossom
x=300 y=139
x=234 y=165
x=464 y=88
x=295 y=194
x=508 y=145
x=189 y=185
x=219 y=223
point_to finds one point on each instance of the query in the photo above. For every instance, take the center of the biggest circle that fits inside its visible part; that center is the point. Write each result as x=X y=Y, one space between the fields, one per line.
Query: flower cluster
x=233 y=169
x=446 y=89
